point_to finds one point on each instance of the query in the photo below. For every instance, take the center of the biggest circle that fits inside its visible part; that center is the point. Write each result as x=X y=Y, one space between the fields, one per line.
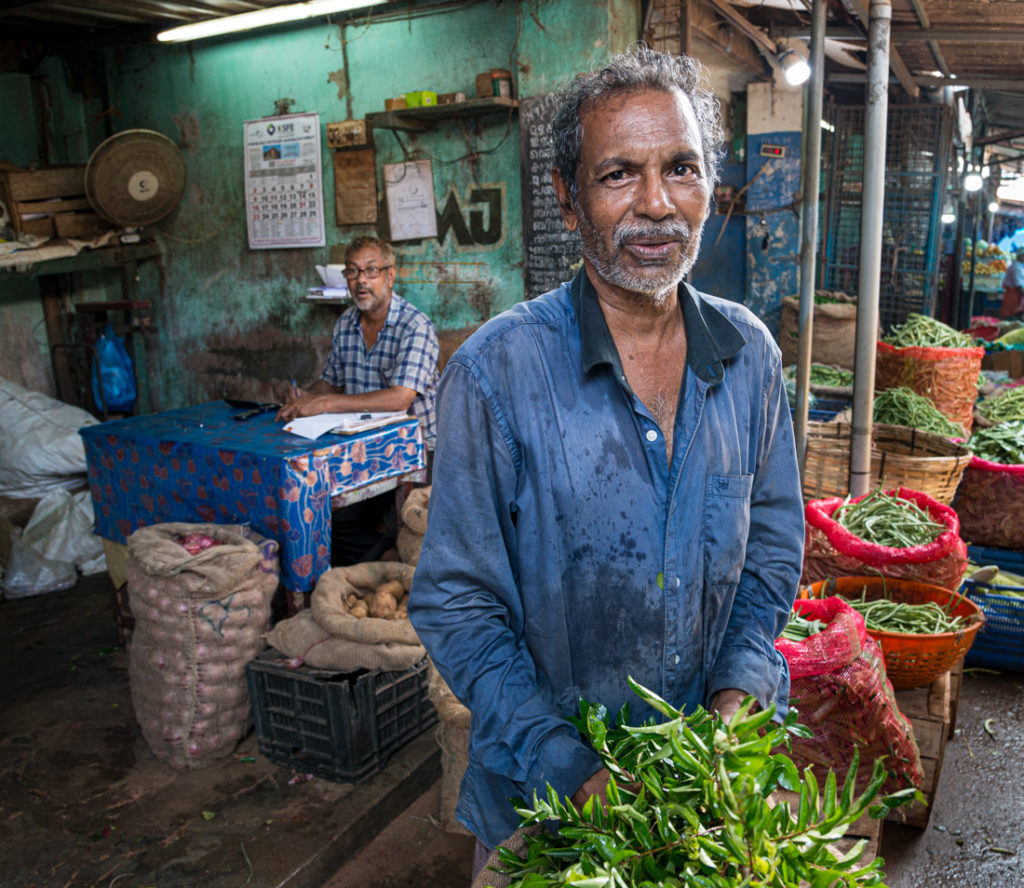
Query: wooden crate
x=49 y=203
x=930 y=712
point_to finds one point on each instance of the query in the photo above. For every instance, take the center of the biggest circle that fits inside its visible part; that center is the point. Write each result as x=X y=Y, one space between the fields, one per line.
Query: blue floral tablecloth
x=198 y=464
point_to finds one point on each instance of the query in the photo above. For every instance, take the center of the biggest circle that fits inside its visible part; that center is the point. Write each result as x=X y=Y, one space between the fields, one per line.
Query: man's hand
x=727 y=701
x=595 y=785
x=304 y=404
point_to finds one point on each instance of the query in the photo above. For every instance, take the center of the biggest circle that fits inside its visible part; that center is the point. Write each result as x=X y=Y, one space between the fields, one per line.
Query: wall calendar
x=284 y=204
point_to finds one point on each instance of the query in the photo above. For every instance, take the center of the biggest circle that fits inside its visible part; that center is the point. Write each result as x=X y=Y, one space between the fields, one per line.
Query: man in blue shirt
x=616 y=489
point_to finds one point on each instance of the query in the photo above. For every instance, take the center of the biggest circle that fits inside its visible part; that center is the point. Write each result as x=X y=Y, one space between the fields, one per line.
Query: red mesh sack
x=948 y=376
x=989 y=501
x=839 y=687
x=830 y=550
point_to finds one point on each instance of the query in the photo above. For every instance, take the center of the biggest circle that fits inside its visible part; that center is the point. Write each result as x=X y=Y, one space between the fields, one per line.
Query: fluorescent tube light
x=261 y=18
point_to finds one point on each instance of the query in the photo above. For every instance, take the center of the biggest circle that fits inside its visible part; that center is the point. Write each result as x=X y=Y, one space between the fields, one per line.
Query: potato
x=351 y=599
x=359 y=609
x=394 y=587
x=401 y=613
x=382 y=604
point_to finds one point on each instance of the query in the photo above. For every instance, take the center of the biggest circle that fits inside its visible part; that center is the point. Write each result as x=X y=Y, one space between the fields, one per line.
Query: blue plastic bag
x=114 y=386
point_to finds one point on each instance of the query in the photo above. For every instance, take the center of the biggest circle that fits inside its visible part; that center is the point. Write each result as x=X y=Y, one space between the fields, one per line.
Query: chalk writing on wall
x=549 y=250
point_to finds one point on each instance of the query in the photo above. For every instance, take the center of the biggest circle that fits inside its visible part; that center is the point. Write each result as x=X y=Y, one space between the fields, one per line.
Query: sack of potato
x=414 y=525
x=357 y=620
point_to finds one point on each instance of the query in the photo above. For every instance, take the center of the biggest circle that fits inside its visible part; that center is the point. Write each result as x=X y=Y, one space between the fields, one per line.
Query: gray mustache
x=673 y=231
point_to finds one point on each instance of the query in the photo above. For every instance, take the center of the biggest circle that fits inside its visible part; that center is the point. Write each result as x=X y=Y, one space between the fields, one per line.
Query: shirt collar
x=711 y=338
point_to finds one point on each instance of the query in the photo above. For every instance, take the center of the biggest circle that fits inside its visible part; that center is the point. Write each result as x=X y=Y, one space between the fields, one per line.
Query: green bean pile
x=928 y=332
x=904 y=407
x=888 y=520
x=823 y=374
x=1004 y=407
x=1003 y=443
x=798 y=628
x=886 y=615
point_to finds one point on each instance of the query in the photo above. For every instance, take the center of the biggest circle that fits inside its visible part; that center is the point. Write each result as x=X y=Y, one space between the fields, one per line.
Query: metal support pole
x=811 y=176
x=872 y=202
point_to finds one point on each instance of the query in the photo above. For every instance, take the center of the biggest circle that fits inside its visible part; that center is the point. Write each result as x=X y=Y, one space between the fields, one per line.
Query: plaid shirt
x=405 y=353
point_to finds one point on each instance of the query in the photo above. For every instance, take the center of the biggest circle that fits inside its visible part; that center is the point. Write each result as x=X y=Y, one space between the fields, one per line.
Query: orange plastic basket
x=910 y=660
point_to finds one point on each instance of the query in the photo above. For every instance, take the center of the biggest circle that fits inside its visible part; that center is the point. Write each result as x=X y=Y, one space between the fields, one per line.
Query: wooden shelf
x=420 y=120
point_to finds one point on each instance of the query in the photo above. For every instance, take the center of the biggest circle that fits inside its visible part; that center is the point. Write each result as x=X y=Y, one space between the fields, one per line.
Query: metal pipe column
x=810 y=187
x=872 y=202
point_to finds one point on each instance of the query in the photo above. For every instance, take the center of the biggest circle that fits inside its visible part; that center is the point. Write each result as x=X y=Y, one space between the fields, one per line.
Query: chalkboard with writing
x=550 y=251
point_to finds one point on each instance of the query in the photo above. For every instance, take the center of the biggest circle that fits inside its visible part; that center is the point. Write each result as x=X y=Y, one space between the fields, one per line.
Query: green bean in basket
x=886 y=615
x=1003 y=443
x=1005 y=407
x=927 y=332
x=888 y=520
x=903 y=406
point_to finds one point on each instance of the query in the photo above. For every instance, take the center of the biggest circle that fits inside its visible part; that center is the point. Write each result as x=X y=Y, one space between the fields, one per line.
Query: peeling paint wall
x=773 y=213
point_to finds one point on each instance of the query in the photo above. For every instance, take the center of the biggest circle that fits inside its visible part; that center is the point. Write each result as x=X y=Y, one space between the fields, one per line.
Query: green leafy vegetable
x=1003 y=443
x=690 y=803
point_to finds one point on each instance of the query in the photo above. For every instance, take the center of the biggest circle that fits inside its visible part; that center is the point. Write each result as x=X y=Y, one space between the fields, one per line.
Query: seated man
x=383 y=357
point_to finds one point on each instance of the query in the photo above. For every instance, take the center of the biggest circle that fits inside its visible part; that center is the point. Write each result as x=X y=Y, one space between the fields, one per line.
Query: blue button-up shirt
x=405 y=353
x=565 y=552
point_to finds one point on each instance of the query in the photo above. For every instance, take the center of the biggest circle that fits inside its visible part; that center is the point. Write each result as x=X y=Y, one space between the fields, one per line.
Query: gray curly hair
x=637 y=69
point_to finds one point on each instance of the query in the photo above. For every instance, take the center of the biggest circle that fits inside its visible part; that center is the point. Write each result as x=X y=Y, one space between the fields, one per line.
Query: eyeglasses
x=372 y=273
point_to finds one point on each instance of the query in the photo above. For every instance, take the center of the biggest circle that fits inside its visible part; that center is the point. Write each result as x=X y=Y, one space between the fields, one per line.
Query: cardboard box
x=1011 y=361
x=395 y=104
x=421 y=98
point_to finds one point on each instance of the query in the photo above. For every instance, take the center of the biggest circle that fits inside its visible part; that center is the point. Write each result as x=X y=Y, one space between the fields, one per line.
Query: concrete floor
x=85 y=804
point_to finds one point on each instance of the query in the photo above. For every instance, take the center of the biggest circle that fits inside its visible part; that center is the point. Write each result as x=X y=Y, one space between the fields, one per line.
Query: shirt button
x=675 y=660
x=652 y=435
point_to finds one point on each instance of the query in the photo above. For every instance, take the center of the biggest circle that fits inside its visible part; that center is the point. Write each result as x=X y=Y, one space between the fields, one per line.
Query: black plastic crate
x=339 y=726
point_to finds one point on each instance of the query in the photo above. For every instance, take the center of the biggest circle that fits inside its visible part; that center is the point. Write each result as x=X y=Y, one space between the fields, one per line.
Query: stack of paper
x=313 y=427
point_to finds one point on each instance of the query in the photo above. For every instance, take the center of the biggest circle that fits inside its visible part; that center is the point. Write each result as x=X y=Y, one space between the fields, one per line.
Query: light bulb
x=972 y=181
x=794 y=67
x=993 y=206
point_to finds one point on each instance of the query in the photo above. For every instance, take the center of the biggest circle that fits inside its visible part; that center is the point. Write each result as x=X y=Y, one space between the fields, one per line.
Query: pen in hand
x=295 y=389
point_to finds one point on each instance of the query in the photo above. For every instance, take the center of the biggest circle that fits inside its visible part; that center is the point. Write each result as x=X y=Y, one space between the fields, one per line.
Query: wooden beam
x=940 y=60
x=685 y=28
x=906 y=34
x=734 y=18
x=1006 y=136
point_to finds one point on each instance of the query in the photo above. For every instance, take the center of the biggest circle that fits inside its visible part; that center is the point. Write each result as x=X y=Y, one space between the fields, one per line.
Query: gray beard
x=655 y=287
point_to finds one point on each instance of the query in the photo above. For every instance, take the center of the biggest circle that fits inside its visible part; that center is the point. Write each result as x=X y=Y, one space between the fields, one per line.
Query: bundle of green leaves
x=691 y=802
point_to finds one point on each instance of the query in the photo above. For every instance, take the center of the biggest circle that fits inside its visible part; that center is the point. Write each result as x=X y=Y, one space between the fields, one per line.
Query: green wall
x=234 y=321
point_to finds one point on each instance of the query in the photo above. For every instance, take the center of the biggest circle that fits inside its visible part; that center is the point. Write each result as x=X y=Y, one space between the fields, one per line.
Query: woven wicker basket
x=900 y=457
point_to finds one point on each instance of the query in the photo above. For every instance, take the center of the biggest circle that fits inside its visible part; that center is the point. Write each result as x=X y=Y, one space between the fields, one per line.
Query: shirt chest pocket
x=725 y=526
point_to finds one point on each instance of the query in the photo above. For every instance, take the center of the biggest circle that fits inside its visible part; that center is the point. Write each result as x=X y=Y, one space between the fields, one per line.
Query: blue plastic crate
x=1000 y=642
